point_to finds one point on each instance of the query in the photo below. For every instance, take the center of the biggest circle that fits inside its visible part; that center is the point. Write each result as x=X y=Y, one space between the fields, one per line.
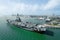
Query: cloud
x=51 y=4
x=24 y=7
x=15 y=7
x=2 y=7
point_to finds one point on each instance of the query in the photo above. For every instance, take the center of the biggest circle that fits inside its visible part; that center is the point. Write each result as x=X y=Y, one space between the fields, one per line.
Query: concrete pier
x=52 y=26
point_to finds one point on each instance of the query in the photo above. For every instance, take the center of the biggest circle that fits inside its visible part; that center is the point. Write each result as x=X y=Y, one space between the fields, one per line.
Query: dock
x=52 y=26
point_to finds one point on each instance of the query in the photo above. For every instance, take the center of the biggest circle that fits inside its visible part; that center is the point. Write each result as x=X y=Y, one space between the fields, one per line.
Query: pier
x=52 y=26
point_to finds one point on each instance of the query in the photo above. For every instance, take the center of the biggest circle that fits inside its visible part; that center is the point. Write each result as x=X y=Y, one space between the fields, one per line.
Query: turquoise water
x=9 y=32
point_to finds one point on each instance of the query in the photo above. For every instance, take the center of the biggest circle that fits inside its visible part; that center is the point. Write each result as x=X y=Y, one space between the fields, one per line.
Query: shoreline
x=52 y=26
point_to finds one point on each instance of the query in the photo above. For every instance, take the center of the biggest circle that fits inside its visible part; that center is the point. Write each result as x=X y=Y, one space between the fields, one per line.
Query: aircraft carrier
x=26 y=25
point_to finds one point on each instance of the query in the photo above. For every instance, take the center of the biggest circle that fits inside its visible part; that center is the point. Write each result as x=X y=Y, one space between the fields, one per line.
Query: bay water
x=9 y=32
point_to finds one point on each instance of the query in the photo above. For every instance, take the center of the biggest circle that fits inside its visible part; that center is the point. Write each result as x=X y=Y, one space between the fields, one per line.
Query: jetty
x=52 y=26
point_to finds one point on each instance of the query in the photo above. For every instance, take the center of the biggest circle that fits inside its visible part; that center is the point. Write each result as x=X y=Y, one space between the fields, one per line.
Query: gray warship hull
x=27 y=26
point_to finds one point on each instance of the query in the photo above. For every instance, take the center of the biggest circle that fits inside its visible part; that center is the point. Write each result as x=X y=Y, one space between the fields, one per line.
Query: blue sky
x=30 y=7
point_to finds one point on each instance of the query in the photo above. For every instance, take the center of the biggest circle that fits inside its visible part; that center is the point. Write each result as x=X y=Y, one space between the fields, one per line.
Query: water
x=9 y=32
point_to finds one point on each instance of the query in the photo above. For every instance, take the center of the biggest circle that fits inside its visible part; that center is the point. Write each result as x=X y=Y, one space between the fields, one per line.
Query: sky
x=30 y=7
